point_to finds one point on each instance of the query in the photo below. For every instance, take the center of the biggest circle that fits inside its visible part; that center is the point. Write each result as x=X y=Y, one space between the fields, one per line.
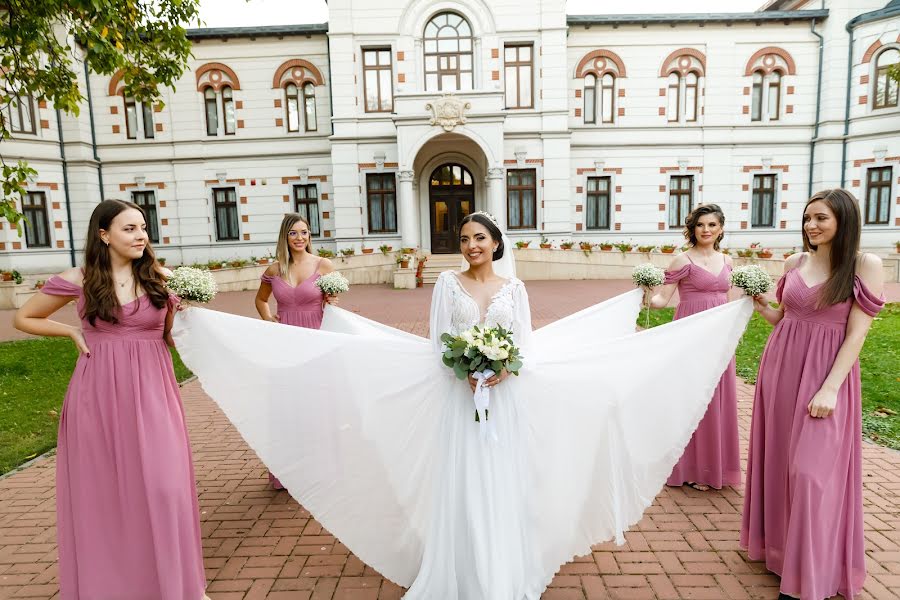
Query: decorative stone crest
x=448 y=111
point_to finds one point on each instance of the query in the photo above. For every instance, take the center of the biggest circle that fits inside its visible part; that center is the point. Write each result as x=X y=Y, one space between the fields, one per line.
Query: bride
x=366 y=427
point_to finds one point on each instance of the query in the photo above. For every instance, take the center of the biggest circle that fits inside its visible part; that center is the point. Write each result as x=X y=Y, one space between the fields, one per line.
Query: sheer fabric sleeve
x=868 y=302
x=779 y=288
x=57 y=286
x=522 y=331
x=441 y=310
x=676 y=276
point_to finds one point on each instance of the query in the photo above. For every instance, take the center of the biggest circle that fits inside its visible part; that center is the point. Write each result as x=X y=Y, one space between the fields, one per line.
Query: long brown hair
x=100 y=300
x=283 y=248
x=844 y=247
x=690 y=223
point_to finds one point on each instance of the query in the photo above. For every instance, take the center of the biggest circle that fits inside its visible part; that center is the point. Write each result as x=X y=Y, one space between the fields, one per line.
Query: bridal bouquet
x=483 y=352
x=752 y=279
x=333 y=284
x=647 y=276
x=192 y=284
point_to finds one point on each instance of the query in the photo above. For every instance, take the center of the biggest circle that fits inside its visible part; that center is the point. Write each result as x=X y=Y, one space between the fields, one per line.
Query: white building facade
x=389 y=124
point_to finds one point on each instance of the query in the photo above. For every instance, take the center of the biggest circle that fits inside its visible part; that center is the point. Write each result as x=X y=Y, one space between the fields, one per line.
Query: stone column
x=496 y=204
x=407 y=210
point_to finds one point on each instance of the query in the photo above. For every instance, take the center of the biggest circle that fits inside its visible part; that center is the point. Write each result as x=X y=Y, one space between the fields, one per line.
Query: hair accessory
x=488 y=215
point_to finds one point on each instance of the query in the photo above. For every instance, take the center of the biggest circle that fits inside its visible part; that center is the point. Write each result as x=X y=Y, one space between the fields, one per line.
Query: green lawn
x=34 y=375
x=879 y=362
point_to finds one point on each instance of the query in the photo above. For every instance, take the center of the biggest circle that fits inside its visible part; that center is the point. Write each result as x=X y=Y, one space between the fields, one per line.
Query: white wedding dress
x=366 y=428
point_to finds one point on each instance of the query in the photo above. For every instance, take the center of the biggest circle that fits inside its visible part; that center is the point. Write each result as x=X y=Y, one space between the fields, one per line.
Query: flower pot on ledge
x=764 y=255
x=546 y=246
x=368 y=250
x=404 y=264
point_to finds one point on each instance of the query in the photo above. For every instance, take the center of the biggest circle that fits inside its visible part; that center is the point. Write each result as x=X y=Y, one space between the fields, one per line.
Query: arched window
x=133 y=125
x=767 y=69
x=448 y=53
x=885 y=95
x=684 y=70
x=292 y=102
x=212 y=111
x=601 y=70
x=590 y=98
x=20 y=112
x=228 y=110
x=774 y=95
x=309 y=106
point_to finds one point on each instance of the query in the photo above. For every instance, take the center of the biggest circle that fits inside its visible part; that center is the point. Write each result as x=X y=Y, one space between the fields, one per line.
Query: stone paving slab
x=259 y=543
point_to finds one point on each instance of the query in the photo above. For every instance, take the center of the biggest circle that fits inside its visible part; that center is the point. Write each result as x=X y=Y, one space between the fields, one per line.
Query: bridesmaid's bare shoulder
x=793 y=260
x=74 y=275
x=273 y=270
x=325 y=266
x=728 y=260
x=679 y=261
x=869 y=268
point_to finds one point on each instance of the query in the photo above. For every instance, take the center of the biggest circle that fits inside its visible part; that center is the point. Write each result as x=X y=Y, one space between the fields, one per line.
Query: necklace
x=123 y=283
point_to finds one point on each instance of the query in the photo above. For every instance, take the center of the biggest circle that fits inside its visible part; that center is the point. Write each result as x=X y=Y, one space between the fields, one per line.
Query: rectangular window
x=37 y=220
x=147 y=201
x=131 y=125
x=149 y=131
x=226 y=212
x=885 y=89
x=521 y=198
x=306 y=204
x=681 y=199
x=756 y=98
x=762 y=211
x=518 y=74
x=21 y=115
x=377 y=80
x=878 y=196
x=381 y=196
x=598 y=203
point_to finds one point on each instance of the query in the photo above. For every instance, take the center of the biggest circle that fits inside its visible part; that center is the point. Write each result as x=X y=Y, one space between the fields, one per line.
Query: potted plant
x=522 y=244
x=385 y=249
x=585 y=247
x=898 y=247
x=17 y=277
x=161 y=260
x=39 y=284
x=407 y=250
x=745 y=253
x=324 y=253
x=667 y=248
x=765 y=253
x=754 y=246
x=624 y=247
x=646 y=249
x=5 y=275
x=236 y=263
x=348 y=252
x=789 y=253
x=215 y=265
x=726 y=251
x=263 y=261
x=606 y=246
x=545 y=243
x=403 y=260
x=366 y=250
x=566 y=245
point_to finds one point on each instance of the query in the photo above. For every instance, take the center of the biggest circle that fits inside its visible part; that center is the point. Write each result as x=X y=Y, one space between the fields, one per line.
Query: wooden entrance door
x=451 y=197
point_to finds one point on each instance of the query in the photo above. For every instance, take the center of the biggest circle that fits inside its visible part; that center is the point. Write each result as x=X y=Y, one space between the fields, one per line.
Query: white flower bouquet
x=483 y=352
x=648 y=275
x=333 y=283
x=192 y=284
x=752 y=279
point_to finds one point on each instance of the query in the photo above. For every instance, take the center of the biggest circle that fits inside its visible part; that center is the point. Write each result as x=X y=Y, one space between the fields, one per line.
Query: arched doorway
x=451 y=196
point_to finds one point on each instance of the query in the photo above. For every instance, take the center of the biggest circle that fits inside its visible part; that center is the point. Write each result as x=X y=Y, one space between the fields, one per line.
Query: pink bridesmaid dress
x=128 y=523
x=712 y=457
x=300 y=306
x=803 y=505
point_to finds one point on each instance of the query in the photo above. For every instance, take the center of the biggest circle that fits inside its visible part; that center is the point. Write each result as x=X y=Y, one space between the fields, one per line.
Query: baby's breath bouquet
x=333 y=283
x=752 y=279
x=192 y=284
x=483 y=352
x=647 y=275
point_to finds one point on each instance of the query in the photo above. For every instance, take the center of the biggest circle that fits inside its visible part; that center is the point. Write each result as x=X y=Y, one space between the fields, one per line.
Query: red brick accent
x=578 y=93
x=581 y=171
x=579 y=190
x=279 y=122
x=277 y=102
x=586 y=64
x=855 y=183
x=662 y=188
x=661 y=226
x=238 y=104
x=60 y=244
x=163 y=222
x=400 y=55
x=45 y=124
x=162 y=203
x=618 y=208
x=158 y=108
x=579 y=208
x=42 y=104
x=790 y=90
x=746 y=91
x=745 y=187
x=616 y=170
x=401 y=77
x=577 y=226
x=326 y=214
x=240 y=124
x=784 y=187
x=327 y=233
x=662 y=111
x=246 y=237
x=49 y=185
x=324 y=196
x=159 y=126
x=495 y=75
x=621 y=111
x=2 y=245
x=245 y=219
x=235 y=83
x=618 y=189
x=861 y=161
x=56 y=205
x=745 y=110
x=789 y=109
x=115 y=129
x=743 y=224
x=113 y=110
x=871 y=51
x=165 y=240
x=744 y=206
x=864 y=79
x=495 y=52
x=57 y=224
x=286 y=198
x=863 y=99
x=662 y=91
x=113 y=88
x=788 y=59
x=618 y=227
x=784 y=205
x=577 y=112
x=662 y=207
x=621 y=92
x=243 y=199
x=682 y=52
x=897 y=221
x=17 y=245
x=783 y=225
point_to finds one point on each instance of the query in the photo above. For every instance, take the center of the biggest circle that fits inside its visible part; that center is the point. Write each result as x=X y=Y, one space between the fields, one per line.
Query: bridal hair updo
x=690 y=223
x=488 y=222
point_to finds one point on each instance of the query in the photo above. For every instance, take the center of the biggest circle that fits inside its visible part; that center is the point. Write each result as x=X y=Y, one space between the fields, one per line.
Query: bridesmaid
x=803 y=511
x=702 y=276
x=300 y=302
x=127 y=516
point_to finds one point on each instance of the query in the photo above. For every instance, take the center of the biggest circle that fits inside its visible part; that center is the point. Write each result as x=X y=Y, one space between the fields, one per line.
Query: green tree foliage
x=46 y=42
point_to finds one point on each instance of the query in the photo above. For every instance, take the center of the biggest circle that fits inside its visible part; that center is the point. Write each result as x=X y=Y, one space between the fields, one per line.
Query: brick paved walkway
x=259 y=543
